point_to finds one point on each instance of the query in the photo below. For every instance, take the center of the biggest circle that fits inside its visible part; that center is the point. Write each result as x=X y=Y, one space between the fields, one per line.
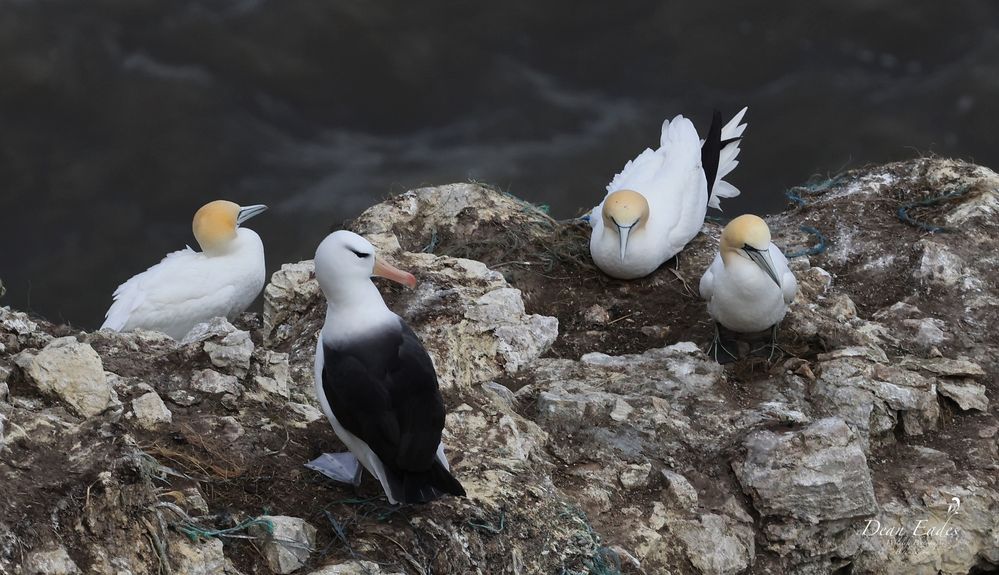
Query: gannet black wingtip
x=711 y=150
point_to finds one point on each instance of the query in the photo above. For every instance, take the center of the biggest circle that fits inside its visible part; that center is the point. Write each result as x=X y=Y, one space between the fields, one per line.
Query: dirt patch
x=552 y=268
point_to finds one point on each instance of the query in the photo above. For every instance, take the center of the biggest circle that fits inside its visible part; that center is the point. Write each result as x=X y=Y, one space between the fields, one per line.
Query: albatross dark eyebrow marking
x=358 y=254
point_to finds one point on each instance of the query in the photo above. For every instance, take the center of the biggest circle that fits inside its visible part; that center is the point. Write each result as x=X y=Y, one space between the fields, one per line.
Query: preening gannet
x=658 y=201
x=375 y=381
x=748 y=286
x=190 y=287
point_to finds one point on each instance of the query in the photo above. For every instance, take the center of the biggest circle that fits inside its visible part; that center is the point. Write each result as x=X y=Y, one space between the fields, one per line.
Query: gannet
x=748 y=286
x=658 y=201
x=189 y=287
x=375 y=381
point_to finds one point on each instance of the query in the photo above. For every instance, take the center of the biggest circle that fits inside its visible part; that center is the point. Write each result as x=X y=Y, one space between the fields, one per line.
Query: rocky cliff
x=591 y=432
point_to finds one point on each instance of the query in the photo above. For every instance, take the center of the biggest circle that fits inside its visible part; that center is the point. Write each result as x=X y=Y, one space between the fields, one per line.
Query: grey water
x=119 y=118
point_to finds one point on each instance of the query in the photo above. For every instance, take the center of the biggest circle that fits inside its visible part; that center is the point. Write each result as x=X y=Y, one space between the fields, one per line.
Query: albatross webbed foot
x=342 y=467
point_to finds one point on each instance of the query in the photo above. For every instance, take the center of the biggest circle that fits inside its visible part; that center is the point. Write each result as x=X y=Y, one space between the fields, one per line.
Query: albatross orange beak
x=389 y=272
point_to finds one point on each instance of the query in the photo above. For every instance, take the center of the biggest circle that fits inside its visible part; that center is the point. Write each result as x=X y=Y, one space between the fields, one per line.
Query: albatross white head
x=345 y=263
x=748 y=236
x=216 y=222
x=625 y=212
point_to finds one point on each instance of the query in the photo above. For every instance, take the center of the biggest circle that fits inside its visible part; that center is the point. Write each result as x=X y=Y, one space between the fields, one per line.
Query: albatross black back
x=384 y=390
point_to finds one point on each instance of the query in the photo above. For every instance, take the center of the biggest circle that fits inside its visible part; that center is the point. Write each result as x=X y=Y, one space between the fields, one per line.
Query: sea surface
x=119 y=118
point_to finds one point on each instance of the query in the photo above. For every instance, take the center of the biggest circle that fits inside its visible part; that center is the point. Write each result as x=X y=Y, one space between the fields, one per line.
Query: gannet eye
x=359 y=254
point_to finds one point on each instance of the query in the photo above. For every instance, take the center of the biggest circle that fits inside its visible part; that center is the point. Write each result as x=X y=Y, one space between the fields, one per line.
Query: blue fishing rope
x=904 y=217
x=196 y=532
x=816 y=249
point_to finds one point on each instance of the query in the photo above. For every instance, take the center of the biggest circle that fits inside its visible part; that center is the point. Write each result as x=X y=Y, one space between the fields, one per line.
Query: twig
x=623 y=317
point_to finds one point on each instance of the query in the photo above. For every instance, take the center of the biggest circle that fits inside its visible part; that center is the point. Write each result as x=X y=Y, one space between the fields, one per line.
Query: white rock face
x=203 y=558
x=18 y=324
x=288 y=544
x=306 y=413
x=150 y=411
x=635 y=476
x=681 y=489
x=939 y=265
x=355 y=568
x=817 y=474
x=72 y=371
x=715 y=544
x=50 y=562
x=232 y=353
x=967 y=394
x=210 y=381
x=277 y=380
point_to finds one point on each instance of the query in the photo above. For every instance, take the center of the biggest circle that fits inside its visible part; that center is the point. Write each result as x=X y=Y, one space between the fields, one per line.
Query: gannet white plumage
x=657 y=204
x=749 y=285
x=375 y=381
x=189 y=287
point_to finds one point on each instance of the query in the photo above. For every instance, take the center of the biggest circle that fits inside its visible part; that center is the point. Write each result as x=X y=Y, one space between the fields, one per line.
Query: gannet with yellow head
x=375 y=381
x=749 y=285
x=656 y=205
x=189 y=287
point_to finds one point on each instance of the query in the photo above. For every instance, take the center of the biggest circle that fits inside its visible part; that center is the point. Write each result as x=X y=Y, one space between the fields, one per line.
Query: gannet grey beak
x=762 y=259
x=248 y=212
x=624 y=231
x=393 y=273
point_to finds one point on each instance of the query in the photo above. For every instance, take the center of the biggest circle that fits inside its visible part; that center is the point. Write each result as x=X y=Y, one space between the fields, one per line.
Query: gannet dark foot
x=341 y=467
x=718 y=351
x=772 y=349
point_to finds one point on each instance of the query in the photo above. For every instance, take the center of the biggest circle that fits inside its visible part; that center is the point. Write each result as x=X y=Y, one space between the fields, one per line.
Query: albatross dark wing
x=384 y=390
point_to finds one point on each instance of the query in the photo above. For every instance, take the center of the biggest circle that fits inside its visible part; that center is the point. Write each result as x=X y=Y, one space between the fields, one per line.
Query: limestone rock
x=967 y=394
x=210 y=381
x=202 y=558
x=72 y=371
x=939 y=265
x=635 y=476
x=232 y=353
x=150 y=411
x=183 y=397
x=24 y=332
x=872 y=397
x=715 y=544
x=420 y=212
x=354 y=568
x=817 y=474
x=287 y=542
x=928 y=332
x=680 y=489
x=945 y=367
x=501 y=392
x=272 y=386
x=54 y=561
x=216 y=327
x=306 y=413
x=291 y=292
x=276 y=378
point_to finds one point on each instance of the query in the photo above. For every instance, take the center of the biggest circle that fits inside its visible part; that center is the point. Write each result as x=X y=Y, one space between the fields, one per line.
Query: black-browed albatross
x=375 y=381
